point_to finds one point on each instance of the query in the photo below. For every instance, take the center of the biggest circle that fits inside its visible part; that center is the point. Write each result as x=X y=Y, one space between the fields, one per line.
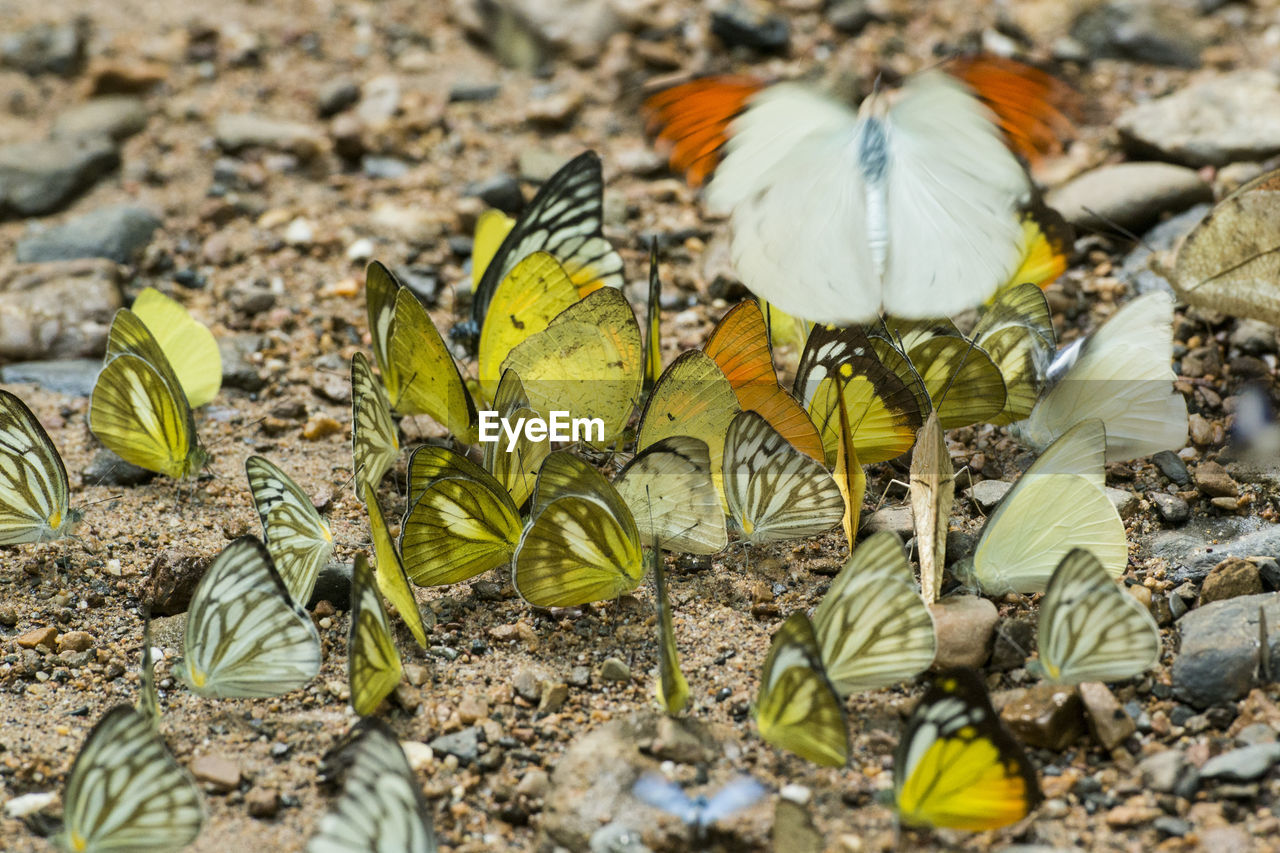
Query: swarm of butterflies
x=913 y=296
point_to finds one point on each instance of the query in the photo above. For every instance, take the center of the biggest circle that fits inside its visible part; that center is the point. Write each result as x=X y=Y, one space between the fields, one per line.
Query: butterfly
x=672 y=688
x=381 y=807
x=138 y=409
x=588 y=361
x=872 y=627
x=1091 y=630
x=515 y=467
x=1122 y=374
x=126 y=792
x=35 y=504
x=797 y=708
x=1016 y=331
x=701 y=811
x=298 y=539
x=374 y=444
x=849 y=474
x=186 y=342
x=653 y=324
x=1057 y=505
x=775 y=492
x=390 y=573
x=672 y=497
x=244 y=636
x=564 y=220
x=461 y=522
x=739 y=345
x=581 y=543
x=956 y=766
x=419 y=374
x=373 y=664
x=1047 y=243
x=915 y=193
x=933 y=492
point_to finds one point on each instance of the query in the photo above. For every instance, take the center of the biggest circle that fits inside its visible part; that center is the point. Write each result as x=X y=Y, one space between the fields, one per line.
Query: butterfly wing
x=492 y=227
x=34 y=495
x=374 y=444
x=933 y=492
x=187 y=344
x=1091 y=630
x=1016 y=330
x=516 y=468
x=297 y=538
x=693 y=120
x=244 y=636
x=672 y=498
x=136 y=415
x=956 y=765
x=662 y=793
x=126 y=792
x=390 y=573
x=373 y=663
x=797 y=708
x=423 y=378
x=458 y=528
x=672 y=688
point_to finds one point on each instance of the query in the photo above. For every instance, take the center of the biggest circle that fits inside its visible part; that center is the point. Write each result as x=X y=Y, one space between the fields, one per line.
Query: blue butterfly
x=700 y=811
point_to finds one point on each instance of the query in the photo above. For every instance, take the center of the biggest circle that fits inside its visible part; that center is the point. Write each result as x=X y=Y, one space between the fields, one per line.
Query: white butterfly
x=126 y=792
x=1090 y=629
x=669 y=489
x=297 y=538
x=34 y=496
x=701 y=811
x=872 y=626
x=374 y=445
x=244 y=636
x=381 y=809
x=907 y=207
x=1122 y=374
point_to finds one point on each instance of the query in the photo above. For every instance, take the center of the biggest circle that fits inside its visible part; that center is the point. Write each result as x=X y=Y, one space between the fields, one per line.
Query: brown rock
x=75 y=641
x=557 y=111
x=552 y=696
x=1107 y=720
x=125 y=78
x=965 y=625
x=678 y=742
x=320 y=426
x=38 y=637
x=57 y=309
x=1200 y=429
x=1231 y=578
x=534 y=783
x=1047 y=715
x=1212 y=479
x=416 y=674
x=171 y=580
x=262 y=803
x=471 y=709
x=222 y=774
x=1135 y=812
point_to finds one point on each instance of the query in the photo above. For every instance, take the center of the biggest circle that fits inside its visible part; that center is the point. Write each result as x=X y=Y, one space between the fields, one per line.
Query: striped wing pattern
x=245 y=637
x=797 y=708
x=374 y=445
x=373 y=664
x=390 y=574
x=297 y=538
x=34 y=495
x=458 y=528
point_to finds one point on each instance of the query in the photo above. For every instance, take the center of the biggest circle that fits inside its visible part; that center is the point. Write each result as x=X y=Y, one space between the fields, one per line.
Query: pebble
x=300 y=232
x=1046 y=716
x=1254 y=337
x=1171 y=508
x=117 y=233
x=526 y=683
x=419 y=755
x=220 y=773
x=1172 y=467
x=57 y=310
x=43 y=177
x=752 y=24
x=1205 y=542
x=1241 y=765
x=1127 y=503
x=1132 y=814
x=1108 y=722
x=1222 y=119
x=46 y=636
x=1160 y=34
x=1013 y=643
x=235 y=132
x=551 y=696
x=1174 y=827
x=988 y=493
x=556 y=112
x=333 y=584
x=501 y=191
x=114 y=116
x=965 y=625
x=320 y=426
x=1218 y=648
x=47 y=48
x=238 y=369
x=681 y=742
x=467 y=92
x=897 y=519
x=471 y=709
x=463 y=745
x=852 y=16
x=108 y=469
x=614 y=669
x=128 y=77
x=1128 y=195
x=75 y=641
x=8 y=614
x=335 y=96
x=1231 y=578
x=262 y=803
x=1212 y=479
x=74 y=377
x=379 y=100
x=171 y=580
x=1200 y=429
x=1162 y=771
x=534 y=783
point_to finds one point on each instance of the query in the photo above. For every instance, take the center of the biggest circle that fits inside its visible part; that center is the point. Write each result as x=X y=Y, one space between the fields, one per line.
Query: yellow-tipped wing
x=672 y=688
x=374 y=444
x=297 y=538
x=516 y=468
x=373 y=664
x=186 y=342
x=390 y=572
x=797 y=708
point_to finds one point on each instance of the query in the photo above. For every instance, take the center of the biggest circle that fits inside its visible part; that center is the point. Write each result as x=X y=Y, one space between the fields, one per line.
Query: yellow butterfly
x=297 y=538
x=374 y=444
x=138 y=409
x=390 y=573
x=186 y=342
x=672 y=689
x=515 y=465
x=373 y=664
x=34 y=495
x=1016 y=330
x=672 y=497
x=653 y=324
x=581 y=544
x=956 y=766
x=797 y=709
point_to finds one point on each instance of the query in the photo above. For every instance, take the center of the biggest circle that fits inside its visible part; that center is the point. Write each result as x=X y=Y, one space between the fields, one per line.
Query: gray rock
x=1224 y=119
x=1159 y=33
x=851 y=16
x=752 y=24
x=238 y=371
x=73 y=377
x=379 y=100
x=1161 y=772
x=1195 y=549
x=47 y=48
x=1171 y=508
x=333 y=584
x=41 y=177
x=117 y=233
x=1126 y=502
x=115 y=116
x=1014 y=641
x=335 y=96
x=1172 y=467
x=1128 y=195
x=1241 y=765
x=57 y=310
x=617 y=838
x=1268 y=570
x=614 y=669
x=1218 y=653
x=897 y=519
x=467 y=92
x=988 y=493
x=108 y=469
x=1253 y=336
x=463 y=745
x=1171 y=826
x=383 y=168
x=523 y=34
x=1137 y=268
x=238 y=131
x=501 y=191
x=1259 y=468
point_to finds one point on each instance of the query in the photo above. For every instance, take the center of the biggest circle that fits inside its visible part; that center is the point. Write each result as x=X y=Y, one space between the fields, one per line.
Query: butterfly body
x=699 y=811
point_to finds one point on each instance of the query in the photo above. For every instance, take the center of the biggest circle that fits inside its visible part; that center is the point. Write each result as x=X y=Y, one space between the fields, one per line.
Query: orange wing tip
x=1036 y=110
x=692 y=120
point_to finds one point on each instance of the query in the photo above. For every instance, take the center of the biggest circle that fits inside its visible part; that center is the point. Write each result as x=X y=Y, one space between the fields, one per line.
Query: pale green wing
x=390 y=571
x=380 y=288
x=126 y=792
x=373 y=664
x=797 y=708
x=374 y=445
x=297 y=538
x=244 y=636
x=1016 y=330
x=672 y=497
x=381 y=809
x=34 y=496
x=672 y=688
x=1090 y=629
x=458 y=528
x=430 y=462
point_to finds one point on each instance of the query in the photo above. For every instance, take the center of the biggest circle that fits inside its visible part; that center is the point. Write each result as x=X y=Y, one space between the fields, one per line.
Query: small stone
x=76 y=641
x=238 y=131
x=1161 y=34
x=419 y=755
x=1218 y=648
x=678 y=741
x=1172 y=467
x=988 y=493
x=1012 y=644
x=500 y=191
x=379 y=100
x=1046 y=716
x=222 y=774
x=47 y=48
x=171 y=581
x=534 y=784
x=74 y=377
x=964 y=625
x=125 y=78
x=333 y=584
x=467 y=92
x=42 y=177
x=117 y=117
x=8 y=615
x=1254 y=337
x=238 y=367
x=1108 y=722
x=335 y=96
x=896 y=519
x=1241 y=765
x=527 y=685
x=1171 y=508
x=1212 y=479
x=552 y=696
x=1126 y=502
x=1162 y=771
x=300 y=232
x=262 y=803
x=751 y=23
x=614 y=669
x=471 y=709
x=46 y=637
x=117 y=233
x=1128 y=195
x=557 y=111
x=108 y=469
x=1174 y=827
x=1231 y=578
x=463 y=745
x=1200 y=429
x=1132 y=814
x=319 y=427
x=29 y=804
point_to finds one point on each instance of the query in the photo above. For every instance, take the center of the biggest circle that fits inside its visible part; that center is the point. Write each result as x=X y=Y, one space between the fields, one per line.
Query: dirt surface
x=486 y=638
